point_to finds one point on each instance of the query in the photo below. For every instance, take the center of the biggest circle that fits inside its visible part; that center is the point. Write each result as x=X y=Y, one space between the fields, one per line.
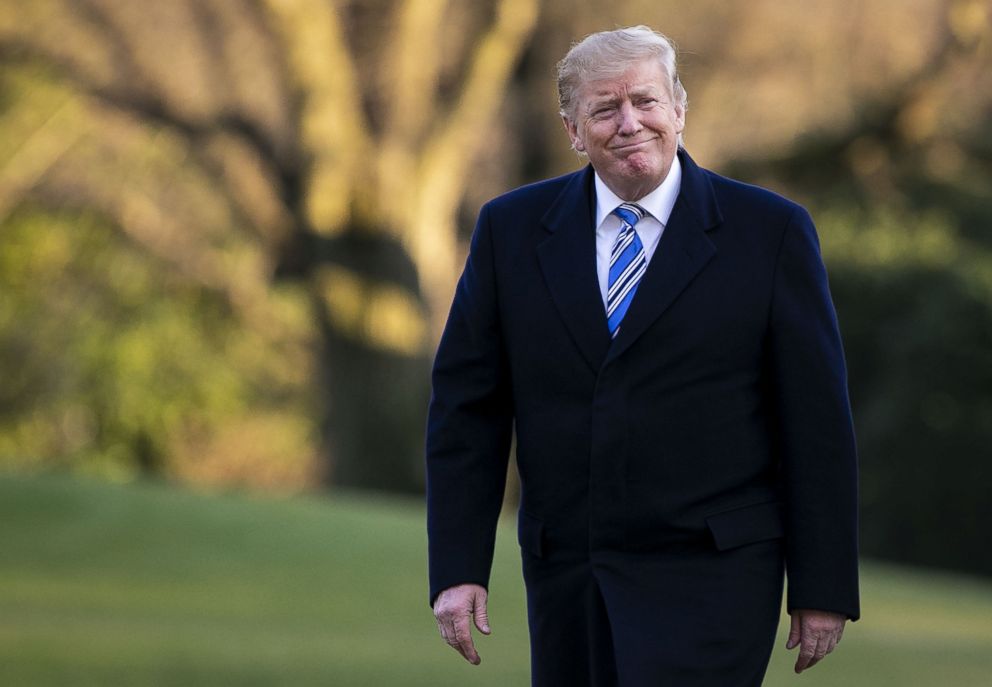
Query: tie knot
x=630 y=213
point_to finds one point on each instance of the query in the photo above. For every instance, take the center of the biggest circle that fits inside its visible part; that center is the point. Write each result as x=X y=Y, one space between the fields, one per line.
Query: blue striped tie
x=627 y=265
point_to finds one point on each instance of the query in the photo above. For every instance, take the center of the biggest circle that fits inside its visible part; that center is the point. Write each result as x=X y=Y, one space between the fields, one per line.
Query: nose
x=629 y=123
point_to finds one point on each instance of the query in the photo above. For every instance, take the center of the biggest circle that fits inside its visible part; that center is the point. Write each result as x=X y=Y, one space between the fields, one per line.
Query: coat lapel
x=568 y=261
x=684 y=250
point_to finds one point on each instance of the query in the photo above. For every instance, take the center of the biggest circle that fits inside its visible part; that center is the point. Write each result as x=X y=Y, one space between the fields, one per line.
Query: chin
x=642 y=169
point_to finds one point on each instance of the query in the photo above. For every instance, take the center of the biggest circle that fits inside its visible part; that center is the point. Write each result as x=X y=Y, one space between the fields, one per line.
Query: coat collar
x=568 y=261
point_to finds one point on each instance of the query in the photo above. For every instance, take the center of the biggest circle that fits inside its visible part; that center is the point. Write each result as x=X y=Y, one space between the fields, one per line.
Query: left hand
x=816 y=633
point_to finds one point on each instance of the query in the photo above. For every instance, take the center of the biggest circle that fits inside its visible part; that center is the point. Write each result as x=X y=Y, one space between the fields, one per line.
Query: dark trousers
x=704 y=618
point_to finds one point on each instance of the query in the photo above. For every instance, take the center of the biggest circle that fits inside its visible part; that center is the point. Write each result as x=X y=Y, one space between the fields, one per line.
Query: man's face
x=628 y=125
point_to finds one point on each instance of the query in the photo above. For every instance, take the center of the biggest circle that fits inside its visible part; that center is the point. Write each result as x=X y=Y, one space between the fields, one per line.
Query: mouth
x=631 y=146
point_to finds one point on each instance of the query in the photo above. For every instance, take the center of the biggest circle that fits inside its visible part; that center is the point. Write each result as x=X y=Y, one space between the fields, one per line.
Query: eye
x=603 y=112
x=647 y=103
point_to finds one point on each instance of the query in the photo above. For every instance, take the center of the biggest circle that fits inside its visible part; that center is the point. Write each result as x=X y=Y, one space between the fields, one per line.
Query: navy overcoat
x=717 y=419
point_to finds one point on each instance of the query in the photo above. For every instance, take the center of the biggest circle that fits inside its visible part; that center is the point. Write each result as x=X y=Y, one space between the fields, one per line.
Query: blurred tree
x=878 y=116
x=333 y=145
x=117 y=365
x=241 y=141
x=902 y=182
x=915 y=299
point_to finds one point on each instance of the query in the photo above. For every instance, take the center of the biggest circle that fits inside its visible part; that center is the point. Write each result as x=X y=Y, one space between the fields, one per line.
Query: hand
x=452 y=610
x=816 y=633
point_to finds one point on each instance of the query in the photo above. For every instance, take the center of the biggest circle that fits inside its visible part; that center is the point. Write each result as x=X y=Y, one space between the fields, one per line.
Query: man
x=663 y=342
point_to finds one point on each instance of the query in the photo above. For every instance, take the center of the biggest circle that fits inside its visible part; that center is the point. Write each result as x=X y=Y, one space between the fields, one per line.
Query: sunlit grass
x=150 y=585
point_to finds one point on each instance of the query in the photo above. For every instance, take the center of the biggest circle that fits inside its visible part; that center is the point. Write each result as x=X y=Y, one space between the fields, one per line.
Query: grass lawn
x=152 y=585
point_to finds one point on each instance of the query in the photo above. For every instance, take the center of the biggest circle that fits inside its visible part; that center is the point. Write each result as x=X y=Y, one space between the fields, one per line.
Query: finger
x=451 y=638
x=821 y=650
x=807 y=653
x=832 y=643
x=448 y=635
x=482 y=614
x=463 y=639
x=793 y=633
x=447 y=630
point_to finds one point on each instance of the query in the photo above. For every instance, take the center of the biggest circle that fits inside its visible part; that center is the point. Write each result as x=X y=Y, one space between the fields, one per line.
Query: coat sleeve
x=468 y=427
x=814 y=429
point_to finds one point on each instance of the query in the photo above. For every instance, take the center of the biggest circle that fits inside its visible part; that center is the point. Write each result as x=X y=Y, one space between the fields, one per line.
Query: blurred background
x=230 y=231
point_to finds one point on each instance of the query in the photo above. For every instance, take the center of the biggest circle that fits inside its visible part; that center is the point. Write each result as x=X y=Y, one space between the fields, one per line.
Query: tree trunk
x=374 y=397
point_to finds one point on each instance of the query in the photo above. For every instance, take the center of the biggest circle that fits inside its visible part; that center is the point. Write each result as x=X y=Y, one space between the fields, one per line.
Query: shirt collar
x=658 y=203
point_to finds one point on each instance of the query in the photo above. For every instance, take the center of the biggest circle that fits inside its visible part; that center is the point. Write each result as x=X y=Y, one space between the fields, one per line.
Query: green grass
x=152 y=585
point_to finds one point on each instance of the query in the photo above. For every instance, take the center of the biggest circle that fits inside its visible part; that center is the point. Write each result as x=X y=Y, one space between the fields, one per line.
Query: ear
x=679 y=118
x=573 y=134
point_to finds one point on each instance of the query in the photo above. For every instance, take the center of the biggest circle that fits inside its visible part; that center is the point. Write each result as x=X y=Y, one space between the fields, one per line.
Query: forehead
x=646 y=75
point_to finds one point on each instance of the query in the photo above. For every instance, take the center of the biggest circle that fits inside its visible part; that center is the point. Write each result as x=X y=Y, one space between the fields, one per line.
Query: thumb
x=481 y=614
x=794 y=634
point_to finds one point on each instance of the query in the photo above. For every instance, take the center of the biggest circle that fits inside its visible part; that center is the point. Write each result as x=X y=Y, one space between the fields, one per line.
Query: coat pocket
x=746 y=525
x=530 y=534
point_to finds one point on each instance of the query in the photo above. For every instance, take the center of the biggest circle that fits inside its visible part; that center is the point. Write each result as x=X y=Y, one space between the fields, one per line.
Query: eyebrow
x=600 y=100
x=609 y=98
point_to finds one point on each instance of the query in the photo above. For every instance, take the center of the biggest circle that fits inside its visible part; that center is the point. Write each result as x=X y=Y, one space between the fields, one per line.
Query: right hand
x=452 y=610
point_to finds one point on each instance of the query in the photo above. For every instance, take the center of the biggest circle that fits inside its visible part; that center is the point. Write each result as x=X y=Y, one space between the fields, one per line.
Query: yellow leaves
x=31 y=252
x=382 y=316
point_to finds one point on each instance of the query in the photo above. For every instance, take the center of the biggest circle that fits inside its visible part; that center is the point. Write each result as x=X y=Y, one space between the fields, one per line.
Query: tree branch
x=156 y=112
x=884 y=121
x=410 y=76
x=333 y=128
x=42 y=144
x=431 y=233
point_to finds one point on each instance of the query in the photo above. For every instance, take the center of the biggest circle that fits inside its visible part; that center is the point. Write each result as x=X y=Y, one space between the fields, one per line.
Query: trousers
x=701 y=618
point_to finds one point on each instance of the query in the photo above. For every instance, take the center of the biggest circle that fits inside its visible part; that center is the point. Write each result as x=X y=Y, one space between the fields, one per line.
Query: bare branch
x=239 y=275
x=410 y=73
x=157 y=112
x=451 y=152
x=411 y=67
x=887 y=121
x=333 y=129
x=42 y=144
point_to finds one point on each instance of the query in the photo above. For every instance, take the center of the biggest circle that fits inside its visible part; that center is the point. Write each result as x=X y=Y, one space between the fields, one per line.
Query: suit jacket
x=718 y=416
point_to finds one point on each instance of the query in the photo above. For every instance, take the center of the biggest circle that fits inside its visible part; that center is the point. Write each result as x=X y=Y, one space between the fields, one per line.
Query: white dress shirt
x=658 y=204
